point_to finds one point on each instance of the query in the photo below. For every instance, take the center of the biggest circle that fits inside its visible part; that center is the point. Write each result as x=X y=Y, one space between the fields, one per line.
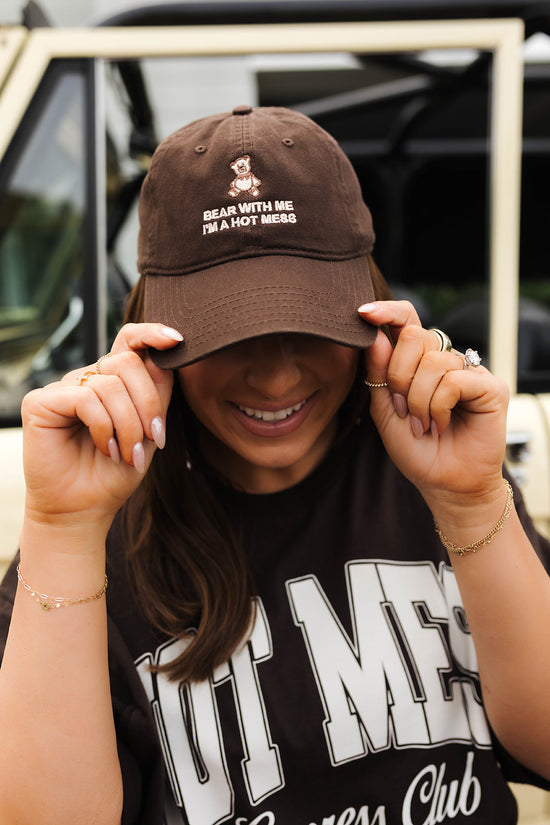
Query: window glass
x=41 y=219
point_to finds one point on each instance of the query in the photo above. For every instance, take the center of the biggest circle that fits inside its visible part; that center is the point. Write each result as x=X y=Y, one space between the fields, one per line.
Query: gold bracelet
x=47 y=602
x=474 y=547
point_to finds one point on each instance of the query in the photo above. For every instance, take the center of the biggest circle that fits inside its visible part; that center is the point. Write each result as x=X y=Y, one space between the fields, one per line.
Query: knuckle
x=149 y=395
x=125 y=336
x=127 y=329
x=103 y=427
x=129 y=359
x=85 y=392
x=407 y=306
x=29 y=399
x=411 y=334
x=129 y=431
x=399 y=378
x=451 y=387
x=408 y=311
x=111 y=383
x=394 y=379
x=432 y=358
x=29 y=404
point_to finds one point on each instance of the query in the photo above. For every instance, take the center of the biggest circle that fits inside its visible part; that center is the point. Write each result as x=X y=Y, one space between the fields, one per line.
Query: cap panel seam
x=236 y=296
x=311 y=255
x=204 y=328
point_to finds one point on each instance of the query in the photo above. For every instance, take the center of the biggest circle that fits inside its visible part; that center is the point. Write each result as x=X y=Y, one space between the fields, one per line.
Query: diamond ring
x=472 y=358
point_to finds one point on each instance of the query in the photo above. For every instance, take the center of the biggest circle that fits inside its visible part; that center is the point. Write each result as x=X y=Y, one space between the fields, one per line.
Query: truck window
x=41 y=218
x=415 y=126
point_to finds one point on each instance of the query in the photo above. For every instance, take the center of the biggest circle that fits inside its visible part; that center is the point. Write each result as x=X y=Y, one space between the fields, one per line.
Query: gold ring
x=375 y=384
x=445 y=344
x=98 y=362
x=84 y=377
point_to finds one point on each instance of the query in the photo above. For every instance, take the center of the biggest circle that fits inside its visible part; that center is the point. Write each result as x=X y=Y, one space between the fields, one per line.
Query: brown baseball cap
x=252 y=222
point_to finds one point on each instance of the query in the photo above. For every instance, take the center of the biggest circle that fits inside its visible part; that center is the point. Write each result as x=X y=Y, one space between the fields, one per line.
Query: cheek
x=205 y=385
x=345 y=372
x=186 y=380
x=341 y=365
x=350 y=358
x=197 y=388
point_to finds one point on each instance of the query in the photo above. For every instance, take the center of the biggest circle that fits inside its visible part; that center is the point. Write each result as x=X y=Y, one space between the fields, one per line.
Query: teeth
x=272 y=415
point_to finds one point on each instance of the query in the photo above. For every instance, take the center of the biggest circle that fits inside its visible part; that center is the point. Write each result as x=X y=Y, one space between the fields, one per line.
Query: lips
x=272 y=415
x=271 y=423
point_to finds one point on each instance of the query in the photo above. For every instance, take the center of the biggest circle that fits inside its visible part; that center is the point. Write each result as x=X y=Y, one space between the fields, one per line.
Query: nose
x=273 y=369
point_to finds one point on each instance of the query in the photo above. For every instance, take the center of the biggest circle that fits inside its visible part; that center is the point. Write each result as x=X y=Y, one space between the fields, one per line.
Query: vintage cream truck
x=430 y=112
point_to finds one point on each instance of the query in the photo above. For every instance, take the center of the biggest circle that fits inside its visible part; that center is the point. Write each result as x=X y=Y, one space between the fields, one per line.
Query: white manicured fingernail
x=172 y=334
x=367 y=307
x=158 y=431
x=114 y=452
x=138 y=457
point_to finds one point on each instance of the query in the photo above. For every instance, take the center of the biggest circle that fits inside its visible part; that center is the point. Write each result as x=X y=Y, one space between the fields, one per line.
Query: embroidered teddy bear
x=245 y=180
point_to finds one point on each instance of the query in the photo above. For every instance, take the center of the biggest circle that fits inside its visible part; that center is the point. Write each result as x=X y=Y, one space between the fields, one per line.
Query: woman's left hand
x=443 y=426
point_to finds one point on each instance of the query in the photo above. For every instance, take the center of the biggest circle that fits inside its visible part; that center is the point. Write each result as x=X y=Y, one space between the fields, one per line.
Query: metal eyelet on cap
x=242 y=110
x=287 y=141
x=200 y=149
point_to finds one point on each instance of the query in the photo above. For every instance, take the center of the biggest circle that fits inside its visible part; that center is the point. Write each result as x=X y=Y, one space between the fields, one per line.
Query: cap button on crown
x=242 y=110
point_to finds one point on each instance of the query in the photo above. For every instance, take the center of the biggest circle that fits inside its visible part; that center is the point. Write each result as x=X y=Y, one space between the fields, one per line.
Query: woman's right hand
x=87 y=443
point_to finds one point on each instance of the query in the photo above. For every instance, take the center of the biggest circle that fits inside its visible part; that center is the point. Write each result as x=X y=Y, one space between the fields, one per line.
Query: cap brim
x=246 y=298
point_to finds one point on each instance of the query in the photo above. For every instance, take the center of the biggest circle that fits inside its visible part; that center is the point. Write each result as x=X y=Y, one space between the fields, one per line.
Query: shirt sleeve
x=515 y=772
x=139 y=750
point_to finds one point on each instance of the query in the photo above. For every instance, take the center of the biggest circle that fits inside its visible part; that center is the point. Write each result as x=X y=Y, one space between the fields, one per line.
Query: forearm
x=58 y=761
x=506 y=595
x=444 y=426
x=87 y=443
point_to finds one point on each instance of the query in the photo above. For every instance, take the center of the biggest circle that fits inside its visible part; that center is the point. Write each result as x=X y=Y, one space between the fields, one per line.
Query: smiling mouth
x=271 y=415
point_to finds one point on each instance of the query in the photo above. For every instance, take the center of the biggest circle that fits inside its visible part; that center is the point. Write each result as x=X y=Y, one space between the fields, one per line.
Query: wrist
x=48 y=602
x=82 y=531
x=465 y=525
x=471 y=506
x=62 y=560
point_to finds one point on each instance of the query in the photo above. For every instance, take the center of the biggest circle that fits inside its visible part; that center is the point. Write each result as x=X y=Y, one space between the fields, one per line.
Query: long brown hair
x=184 y=556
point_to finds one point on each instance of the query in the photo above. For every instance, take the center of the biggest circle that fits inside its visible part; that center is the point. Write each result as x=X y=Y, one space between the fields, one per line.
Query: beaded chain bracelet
x=475 y=546
x=48 y=602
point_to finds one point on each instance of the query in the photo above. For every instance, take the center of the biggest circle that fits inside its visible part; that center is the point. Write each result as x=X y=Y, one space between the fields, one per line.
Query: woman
x=285 y=638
